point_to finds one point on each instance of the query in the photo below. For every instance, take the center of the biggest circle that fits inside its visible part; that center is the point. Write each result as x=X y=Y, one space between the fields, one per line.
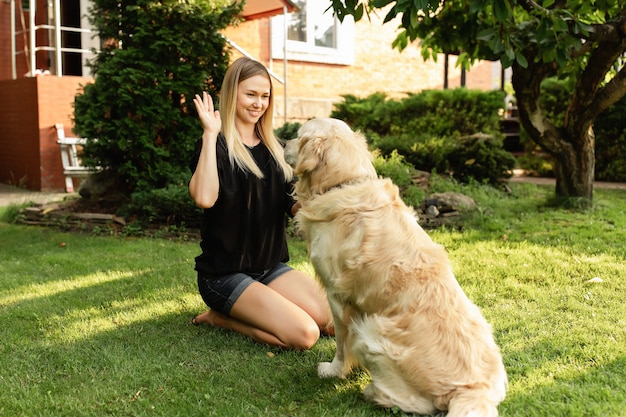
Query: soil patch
x=98 y=218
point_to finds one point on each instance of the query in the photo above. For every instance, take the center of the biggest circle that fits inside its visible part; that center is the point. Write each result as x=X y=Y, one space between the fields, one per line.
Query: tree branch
x=608 y=95
x=527 y=86
x=609 y=32
x=605 y=32
x=531 y=6
x=601 y=60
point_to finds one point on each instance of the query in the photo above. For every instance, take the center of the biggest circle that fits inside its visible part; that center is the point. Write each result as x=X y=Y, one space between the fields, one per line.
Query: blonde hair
x=240 y=70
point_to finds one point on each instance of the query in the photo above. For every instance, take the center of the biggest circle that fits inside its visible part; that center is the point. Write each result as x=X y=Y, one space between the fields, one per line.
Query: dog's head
x=329 y=154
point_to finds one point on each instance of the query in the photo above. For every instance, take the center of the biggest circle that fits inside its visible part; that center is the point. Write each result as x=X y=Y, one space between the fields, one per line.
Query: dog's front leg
x=342 y=362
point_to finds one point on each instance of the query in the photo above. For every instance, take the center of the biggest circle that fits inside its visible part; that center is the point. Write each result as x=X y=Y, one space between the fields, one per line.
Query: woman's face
x=253 y=97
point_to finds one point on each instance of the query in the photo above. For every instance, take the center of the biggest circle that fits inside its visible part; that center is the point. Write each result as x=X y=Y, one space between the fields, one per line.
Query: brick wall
x=29 y=154
x=19 y=133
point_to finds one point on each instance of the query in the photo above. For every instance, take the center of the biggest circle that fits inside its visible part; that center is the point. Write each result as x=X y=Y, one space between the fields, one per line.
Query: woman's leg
x=289 y=312
x=306 y=293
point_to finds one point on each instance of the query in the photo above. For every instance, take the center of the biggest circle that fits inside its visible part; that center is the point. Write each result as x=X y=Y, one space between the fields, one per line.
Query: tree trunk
x=573 y=152
x=574 y=167
x=571 y=146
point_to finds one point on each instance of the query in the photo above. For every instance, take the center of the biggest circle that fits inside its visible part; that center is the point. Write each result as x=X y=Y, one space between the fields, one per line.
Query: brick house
x=335 y=59
x=320 y=66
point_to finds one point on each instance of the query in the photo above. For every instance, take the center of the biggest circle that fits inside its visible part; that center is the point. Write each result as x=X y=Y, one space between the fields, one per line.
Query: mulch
x=98 y=218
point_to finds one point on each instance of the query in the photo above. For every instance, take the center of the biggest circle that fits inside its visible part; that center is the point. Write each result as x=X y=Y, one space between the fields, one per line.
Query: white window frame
x=341 y=54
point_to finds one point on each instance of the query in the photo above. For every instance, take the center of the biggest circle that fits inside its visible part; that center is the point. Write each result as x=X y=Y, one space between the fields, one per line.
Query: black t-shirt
x=245 y=230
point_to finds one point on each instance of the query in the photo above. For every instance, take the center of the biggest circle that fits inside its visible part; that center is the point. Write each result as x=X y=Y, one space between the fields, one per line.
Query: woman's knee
x=305 y=337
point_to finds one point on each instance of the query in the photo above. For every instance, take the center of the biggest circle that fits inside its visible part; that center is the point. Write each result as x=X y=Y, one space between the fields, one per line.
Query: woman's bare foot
x=208 y=317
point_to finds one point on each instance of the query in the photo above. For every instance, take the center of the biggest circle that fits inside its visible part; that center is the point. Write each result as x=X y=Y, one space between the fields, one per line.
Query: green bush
x=413 y=196
x=401 y=173
x=426 y=129
x=370 y=114
x=446 y=113
x=170 y=205
x=158 y=55
x=433 y=112
x=424 y=152
x=287 y=131
x=536 y=164
x=481 y=158
x=393 y=167
x=555 y=95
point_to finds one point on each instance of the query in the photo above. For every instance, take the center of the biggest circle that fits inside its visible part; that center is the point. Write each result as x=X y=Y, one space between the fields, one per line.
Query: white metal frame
x=33 y=48
x=72 y=166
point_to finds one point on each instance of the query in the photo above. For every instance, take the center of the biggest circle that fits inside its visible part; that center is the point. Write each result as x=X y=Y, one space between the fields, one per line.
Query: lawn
x=95 y=325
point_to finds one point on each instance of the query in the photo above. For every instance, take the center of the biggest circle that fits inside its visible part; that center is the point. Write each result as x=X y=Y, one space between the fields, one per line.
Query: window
x=314 y=35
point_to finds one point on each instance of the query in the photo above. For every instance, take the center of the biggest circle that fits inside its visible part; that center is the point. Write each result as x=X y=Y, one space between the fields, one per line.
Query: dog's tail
x=474 y=402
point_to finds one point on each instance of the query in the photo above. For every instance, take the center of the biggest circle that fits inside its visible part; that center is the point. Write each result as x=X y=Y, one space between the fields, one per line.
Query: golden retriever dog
x=398 y=310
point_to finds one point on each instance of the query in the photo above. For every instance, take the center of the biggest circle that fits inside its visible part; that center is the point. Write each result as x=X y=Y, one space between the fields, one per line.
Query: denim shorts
x=221 y=293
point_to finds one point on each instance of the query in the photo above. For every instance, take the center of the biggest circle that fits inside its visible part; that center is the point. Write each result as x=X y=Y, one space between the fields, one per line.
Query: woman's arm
x=294 y=209
x=204 y=185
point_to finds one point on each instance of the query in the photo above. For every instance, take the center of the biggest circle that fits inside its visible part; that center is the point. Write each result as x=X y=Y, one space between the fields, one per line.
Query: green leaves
x=502 y=10
x=352 y=8
x=521 y=59
x=379 y=4
x=477 y=6
x=543 y=31
x=401 y=41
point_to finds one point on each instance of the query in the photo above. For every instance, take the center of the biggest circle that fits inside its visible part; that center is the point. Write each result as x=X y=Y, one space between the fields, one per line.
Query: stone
x=456 y=201
x=432 y=211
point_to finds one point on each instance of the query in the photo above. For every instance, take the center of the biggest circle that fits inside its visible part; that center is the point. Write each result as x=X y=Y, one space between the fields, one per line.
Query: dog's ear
x=310 y=155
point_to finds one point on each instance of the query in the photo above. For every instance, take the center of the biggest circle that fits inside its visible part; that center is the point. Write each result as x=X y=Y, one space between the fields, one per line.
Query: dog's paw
x=328 y=370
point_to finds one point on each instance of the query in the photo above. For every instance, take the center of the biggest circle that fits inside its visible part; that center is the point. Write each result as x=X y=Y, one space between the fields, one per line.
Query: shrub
x=170 y=205
x=425 y=129
x=481 y=158
x=445 y=113
x=370 y=114
x=287 y=131
x=433 y=112
x=555 y=95
x=413 y=196
x=424 y=152
x=158 y=55
x=393 y=167
x=401 y=173
x=536 y=164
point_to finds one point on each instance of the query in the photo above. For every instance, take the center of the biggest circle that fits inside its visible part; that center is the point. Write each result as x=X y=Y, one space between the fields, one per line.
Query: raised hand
x=209 y=117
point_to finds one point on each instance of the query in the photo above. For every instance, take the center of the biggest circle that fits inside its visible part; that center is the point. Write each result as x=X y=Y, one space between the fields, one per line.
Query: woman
x=241 y=179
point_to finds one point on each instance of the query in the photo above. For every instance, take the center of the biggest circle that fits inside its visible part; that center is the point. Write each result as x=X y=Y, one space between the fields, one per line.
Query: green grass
x=95 y=326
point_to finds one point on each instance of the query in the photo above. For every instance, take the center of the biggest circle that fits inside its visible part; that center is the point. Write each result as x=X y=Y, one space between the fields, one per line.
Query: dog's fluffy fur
x=397 y=307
